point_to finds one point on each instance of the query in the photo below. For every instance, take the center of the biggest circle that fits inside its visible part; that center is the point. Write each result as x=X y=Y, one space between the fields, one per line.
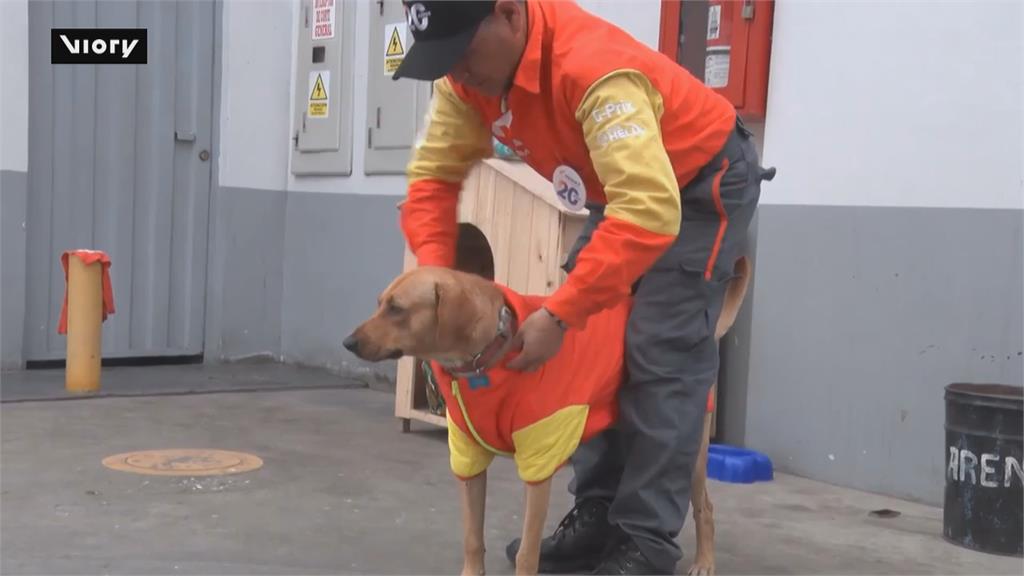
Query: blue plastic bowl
x=738 y=465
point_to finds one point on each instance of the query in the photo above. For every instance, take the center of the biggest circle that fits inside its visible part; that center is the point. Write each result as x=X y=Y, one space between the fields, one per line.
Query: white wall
x=640 y=18
x=358 y=182
x=259 y=53
x=14 y=85
x=255 y=91
x=901 y=104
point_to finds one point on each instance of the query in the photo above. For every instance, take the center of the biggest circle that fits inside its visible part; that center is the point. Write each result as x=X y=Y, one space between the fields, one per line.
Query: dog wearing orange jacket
x=463 y=325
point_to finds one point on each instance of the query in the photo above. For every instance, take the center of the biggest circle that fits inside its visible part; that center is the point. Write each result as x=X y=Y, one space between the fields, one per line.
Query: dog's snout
x=351 y=343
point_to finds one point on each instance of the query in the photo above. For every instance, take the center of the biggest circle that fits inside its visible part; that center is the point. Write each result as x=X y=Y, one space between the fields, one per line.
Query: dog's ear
x=448 y=304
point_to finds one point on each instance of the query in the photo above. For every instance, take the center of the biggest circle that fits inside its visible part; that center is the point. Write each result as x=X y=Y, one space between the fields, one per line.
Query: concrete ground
x=343 y=491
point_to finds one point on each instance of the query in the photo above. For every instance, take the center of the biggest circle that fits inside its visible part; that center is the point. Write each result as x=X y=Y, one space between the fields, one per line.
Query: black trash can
x=984 y=504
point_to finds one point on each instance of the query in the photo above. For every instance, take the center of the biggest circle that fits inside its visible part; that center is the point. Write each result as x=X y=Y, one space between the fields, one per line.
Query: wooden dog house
x=512 y=229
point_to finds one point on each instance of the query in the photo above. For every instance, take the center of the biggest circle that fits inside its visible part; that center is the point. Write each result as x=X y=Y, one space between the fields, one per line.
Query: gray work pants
x=643 y=464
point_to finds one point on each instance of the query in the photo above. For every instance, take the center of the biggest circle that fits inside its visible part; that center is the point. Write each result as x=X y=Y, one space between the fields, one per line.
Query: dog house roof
x=529 y=179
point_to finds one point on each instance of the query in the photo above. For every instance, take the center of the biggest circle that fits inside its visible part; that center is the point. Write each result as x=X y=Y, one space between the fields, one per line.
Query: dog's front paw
x=702 y=567
x=526 y=565
x=473 y=569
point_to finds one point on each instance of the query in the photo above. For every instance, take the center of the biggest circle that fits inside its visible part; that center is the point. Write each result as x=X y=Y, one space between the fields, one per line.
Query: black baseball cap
x=441 y=30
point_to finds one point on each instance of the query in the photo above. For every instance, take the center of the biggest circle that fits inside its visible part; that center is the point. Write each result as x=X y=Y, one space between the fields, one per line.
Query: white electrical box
x=395 y=109
x=322 y=126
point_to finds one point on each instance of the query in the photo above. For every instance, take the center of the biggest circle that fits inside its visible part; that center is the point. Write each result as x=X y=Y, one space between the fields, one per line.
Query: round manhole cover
x=186 y=462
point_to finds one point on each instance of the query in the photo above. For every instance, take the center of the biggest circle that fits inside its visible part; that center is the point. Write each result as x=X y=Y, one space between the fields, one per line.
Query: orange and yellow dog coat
x=537 y=418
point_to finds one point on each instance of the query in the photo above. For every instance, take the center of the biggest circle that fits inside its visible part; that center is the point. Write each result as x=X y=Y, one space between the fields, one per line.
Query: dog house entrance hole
x=473 y=252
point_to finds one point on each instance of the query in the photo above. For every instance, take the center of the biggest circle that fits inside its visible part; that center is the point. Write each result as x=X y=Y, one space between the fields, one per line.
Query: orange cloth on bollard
x=87 y=257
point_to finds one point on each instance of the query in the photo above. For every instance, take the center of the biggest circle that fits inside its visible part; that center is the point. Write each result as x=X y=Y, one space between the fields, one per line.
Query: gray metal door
x=119 y=161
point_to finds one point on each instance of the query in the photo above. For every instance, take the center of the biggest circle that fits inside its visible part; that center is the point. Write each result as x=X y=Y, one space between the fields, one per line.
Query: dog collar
x=486 y=357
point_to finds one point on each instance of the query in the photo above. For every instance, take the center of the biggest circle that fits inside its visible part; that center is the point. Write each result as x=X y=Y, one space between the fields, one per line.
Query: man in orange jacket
x=671 y=181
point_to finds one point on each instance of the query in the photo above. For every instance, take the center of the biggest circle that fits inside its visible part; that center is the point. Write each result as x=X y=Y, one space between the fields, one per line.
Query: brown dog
x=459 y=321
x=703 y=519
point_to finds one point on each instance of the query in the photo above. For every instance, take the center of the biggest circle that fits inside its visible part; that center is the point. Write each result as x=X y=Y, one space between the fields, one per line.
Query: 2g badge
x=569 y=188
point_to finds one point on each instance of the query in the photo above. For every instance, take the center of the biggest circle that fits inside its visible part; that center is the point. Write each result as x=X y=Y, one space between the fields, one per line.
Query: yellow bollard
x=84 y=325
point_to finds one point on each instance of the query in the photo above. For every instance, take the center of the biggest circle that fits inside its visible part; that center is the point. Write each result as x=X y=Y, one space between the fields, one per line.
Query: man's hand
x=540 y=337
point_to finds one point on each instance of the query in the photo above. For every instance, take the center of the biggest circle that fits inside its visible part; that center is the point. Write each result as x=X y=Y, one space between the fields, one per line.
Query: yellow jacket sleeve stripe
x=620 y=115
x=452 y=139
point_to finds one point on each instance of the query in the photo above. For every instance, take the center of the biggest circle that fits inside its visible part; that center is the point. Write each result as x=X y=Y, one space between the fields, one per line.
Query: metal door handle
x=184 y=136
x=748 y=9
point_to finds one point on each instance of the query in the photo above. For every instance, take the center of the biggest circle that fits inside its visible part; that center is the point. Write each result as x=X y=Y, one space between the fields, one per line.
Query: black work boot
x=577 y=543
x=623 y=556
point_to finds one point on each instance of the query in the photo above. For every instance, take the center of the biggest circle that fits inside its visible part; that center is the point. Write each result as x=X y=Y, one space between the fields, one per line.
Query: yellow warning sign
x=319 y=93
x=318 y=90
x=394 y=46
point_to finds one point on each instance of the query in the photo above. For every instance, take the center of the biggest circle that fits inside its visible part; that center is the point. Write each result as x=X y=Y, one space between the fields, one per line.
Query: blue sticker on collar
x=479 y=381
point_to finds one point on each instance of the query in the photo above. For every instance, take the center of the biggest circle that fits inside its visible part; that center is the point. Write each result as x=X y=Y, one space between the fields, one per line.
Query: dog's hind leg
x=474 y=499
x=703 y=517
x=538 y=496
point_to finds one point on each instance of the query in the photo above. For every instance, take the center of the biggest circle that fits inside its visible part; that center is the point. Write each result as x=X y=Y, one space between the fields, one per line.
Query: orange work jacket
x=605 y=118
x=540 y=417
